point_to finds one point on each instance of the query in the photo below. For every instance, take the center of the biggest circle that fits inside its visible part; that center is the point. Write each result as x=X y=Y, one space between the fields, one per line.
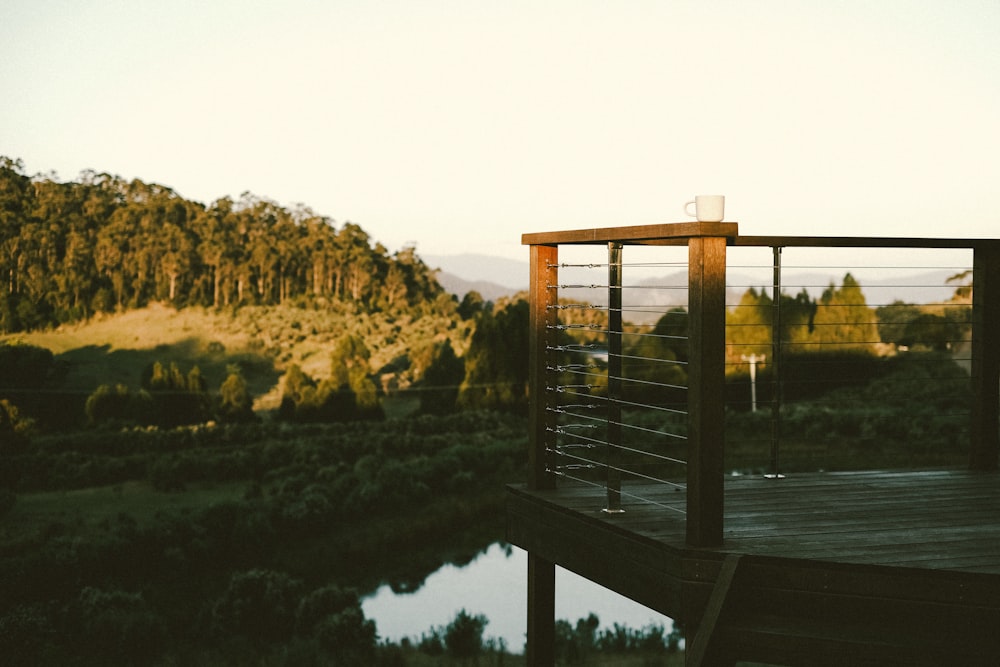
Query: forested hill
x=69 y=250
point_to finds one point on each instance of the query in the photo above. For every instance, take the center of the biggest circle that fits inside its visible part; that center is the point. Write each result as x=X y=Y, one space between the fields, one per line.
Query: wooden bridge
x=847 y=568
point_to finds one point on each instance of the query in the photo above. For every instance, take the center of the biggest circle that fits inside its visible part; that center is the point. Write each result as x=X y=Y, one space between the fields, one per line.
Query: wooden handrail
x=675 y=233
x=665 y=234
x=862 y=242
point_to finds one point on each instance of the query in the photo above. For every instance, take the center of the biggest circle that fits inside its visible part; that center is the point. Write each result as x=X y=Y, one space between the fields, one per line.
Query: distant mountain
x=460 y=287
x=509 y=273
x=493 y=277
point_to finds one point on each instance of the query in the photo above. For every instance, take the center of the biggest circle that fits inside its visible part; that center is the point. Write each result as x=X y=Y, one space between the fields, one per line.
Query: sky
x=459 y=125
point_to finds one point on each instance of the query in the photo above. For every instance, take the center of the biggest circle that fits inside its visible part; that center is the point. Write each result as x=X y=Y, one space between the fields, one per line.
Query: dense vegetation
x=247 y=542
x=101 y=243
x=206 y=543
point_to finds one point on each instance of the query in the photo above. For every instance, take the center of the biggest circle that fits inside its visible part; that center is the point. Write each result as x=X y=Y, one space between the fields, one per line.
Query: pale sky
x=462 y=124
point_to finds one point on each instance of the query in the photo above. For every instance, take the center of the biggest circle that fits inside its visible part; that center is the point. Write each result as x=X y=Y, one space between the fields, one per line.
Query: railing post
x=542 y=293
x=614 y=429
x=985 y=441
x=706 y=389
x=776 y=366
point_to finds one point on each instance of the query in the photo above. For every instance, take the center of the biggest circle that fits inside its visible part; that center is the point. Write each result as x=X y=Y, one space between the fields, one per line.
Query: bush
x=7 y=501
x=25 y=634
x=14 y=429
x=348 y=637
x=119 y=626
x=235 y=402
x=259 y=605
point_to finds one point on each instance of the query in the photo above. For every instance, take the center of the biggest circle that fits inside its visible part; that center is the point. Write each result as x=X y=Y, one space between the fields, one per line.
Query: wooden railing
x=705 y=362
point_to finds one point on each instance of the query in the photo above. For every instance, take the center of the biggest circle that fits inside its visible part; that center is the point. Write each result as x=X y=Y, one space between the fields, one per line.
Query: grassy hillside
x=262 y=340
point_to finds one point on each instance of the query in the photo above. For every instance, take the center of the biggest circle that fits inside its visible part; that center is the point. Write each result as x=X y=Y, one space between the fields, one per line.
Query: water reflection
x=494 y=584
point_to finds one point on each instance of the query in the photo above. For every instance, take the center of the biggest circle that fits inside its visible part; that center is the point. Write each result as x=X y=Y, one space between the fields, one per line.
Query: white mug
x=708 y=208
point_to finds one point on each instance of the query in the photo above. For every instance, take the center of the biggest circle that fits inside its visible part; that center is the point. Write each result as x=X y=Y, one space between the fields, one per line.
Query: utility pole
x=753 y=359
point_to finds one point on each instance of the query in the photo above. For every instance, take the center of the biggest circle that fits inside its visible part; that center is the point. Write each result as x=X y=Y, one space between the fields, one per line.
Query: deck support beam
x=985 y=413
x=704 y=648
x=541 y=645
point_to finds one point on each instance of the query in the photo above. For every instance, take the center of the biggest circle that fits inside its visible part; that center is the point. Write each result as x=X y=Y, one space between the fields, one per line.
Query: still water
x=495 y=586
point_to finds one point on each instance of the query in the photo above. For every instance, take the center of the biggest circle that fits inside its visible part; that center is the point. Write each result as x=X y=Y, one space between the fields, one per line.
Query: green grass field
x=83 y=511
x=262 y=341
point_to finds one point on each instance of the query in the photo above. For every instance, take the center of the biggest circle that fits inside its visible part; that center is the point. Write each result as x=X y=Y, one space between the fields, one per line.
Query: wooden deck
x=873 y=568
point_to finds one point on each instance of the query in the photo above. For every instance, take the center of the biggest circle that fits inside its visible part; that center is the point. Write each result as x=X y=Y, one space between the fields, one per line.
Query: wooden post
x=541 y=573
x=543 y=293
x=541 y=648
x=985 y=441
x=706 y=389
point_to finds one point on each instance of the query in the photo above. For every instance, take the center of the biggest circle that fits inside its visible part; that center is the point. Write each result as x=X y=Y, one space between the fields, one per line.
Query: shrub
x=119 y=626
x=7 y=501
x=14 y=429
x=25 y=633
x=348 y=636
x=235 y=402
x=260 y=605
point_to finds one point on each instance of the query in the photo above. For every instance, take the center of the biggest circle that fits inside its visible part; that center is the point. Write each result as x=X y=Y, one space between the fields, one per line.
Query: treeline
x=171 y=398
x=840 y=319
x=69 y=250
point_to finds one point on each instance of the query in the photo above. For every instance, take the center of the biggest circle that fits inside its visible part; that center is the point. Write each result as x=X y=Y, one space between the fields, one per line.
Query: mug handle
x=687 y=212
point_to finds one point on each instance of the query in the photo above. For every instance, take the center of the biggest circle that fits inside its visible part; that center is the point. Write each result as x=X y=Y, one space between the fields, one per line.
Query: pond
x=494 y=585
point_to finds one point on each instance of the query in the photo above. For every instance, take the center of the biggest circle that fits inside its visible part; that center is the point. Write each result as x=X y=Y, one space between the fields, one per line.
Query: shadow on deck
x=890 y=567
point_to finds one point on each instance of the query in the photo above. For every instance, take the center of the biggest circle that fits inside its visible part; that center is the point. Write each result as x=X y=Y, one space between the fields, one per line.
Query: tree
x=357 y=259
x=442 y=374
x=472 y=305
x=894 y=320
x=933 y=331
x=177 y=399
x=496 y=365
x=657 y=356
x=749 y=324
x=463 y=638
x=298 y=391
x=843 y=319
x=350 y=394
x=963 y=285
x=235 y=402
x=117 y=405
x=797 y=317
x=335 y=618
